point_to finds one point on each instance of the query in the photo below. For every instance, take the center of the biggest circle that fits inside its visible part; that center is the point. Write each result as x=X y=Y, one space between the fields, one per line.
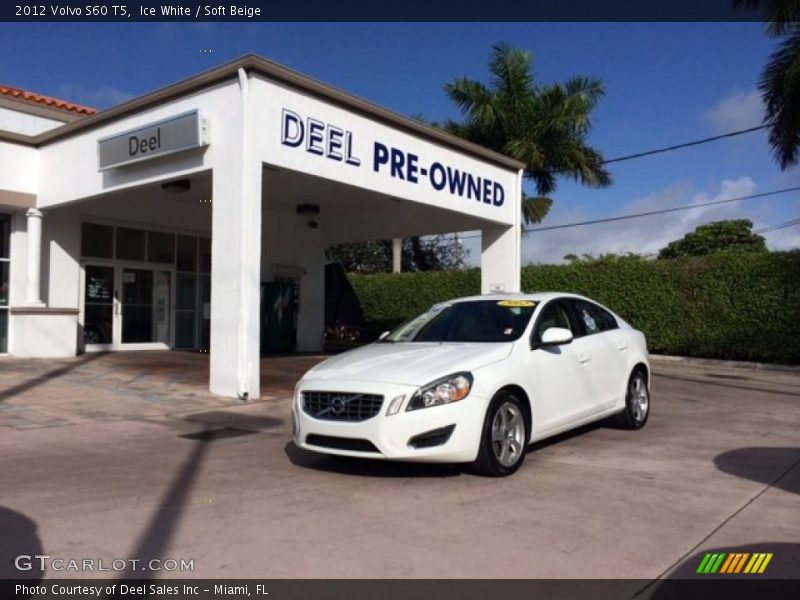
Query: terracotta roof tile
x=47 y=100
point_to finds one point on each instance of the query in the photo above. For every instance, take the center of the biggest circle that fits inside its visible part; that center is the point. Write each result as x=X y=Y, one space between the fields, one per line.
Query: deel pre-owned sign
x=161 y=138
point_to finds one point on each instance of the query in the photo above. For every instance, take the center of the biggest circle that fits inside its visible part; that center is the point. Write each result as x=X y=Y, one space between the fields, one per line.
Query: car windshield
x=471 y=321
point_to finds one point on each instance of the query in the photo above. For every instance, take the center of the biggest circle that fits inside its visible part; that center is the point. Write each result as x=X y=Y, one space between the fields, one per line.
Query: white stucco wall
x=25 y=123
x=71 y=164
x=19 y=168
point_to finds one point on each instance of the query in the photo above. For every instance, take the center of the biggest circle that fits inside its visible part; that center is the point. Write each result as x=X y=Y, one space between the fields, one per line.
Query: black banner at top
x=373 y=10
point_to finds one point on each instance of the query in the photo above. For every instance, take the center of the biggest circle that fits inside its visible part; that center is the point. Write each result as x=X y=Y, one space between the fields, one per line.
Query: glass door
x=146 y=303
x=98 y=310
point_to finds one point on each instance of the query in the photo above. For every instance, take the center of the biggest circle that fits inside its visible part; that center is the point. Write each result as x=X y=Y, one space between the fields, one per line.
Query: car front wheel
x=504 y=438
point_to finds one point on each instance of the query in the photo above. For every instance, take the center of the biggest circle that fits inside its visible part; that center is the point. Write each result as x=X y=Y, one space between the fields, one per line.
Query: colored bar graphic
x=764 y=564
x=727 y=564
x=734 y=562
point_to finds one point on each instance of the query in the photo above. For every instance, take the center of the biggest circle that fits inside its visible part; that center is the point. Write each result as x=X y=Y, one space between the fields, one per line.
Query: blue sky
x=665 y=84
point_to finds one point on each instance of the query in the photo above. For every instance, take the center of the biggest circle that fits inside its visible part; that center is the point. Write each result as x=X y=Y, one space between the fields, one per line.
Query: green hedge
x=730 y=306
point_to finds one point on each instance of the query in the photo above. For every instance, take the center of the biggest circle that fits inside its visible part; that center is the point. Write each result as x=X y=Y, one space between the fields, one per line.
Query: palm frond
x=535 y=208
x=780 y=86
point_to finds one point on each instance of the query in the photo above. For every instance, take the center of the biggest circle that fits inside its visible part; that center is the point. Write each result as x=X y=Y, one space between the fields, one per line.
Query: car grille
x=341 y=406
x=340 y=443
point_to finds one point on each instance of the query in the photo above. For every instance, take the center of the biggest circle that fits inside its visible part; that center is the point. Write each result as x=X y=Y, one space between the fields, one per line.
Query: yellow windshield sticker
x=517 y=303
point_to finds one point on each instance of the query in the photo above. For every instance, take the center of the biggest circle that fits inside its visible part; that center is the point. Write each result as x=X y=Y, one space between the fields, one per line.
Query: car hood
x=411 y=363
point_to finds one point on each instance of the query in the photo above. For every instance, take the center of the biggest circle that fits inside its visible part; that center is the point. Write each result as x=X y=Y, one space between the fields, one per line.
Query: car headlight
x=442 y=391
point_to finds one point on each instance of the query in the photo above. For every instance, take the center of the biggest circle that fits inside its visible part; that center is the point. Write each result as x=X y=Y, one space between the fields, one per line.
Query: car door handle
x=584 y=358
x=622 y=345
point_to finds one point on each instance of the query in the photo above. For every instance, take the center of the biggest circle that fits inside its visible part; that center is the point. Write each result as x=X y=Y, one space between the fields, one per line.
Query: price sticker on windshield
x=517 y=303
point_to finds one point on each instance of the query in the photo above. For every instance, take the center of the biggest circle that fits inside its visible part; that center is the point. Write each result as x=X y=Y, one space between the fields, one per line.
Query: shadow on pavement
x=235 y=420
x=156 y=537
x=49 y=375
x=566 y=436
x=366 y=467
x=771 y=466
x=19 y=536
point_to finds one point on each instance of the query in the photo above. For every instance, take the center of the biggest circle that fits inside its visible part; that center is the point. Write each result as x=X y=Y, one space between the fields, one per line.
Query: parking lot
x=126 y=456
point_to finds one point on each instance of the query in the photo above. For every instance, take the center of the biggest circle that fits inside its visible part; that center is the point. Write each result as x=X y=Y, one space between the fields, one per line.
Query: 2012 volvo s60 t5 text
x=475 y=380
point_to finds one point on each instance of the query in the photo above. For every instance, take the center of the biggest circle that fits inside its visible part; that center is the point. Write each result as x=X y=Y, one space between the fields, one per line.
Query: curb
x=714 y=362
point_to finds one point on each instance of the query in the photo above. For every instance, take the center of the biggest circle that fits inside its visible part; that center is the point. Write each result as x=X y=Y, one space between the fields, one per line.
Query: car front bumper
x=390 y=436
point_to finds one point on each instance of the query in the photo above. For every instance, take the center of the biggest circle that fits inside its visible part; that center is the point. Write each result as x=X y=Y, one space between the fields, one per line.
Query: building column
x=397 y=255
x=236 y=264
x=33 y=289
x=500 y=259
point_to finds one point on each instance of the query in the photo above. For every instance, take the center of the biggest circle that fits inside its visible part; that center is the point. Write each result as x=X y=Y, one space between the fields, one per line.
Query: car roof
x=534 y=296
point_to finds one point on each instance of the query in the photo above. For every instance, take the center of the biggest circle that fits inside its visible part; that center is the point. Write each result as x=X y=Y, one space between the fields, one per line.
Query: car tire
x=504 y=438
x=637 y=403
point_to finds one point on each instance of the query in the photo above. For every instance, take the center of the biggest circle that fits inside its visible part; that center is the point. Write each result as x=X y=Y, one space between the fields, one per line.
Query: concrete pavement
x=167 y=471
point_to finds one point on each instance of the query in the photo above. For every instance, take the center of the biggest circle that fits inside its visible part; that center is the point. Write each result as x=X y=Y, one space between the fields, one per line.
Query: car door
x=608 y=347
x=559 y=376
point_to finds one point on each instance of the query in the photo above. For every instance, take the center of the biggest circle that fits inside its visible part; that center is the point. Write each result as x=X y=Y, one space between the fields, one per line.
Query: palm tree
x=542 y=125
x=780 y=81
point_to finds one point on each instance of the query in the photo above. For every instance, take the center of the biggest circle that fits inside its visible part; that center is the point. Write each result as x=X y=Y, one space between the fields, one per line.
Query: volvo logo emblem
x=338 y=404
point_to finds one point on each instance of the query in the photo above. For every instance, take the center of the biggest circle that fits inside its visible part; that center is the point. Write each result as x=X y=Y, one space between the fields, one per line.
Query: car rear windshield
x=472 y=321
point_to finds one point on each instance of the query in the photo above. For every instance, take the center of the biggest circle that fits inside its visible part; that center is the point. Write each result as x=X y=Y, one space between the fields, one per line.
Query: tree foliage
x=543 y=126
x=739 y=306
x=429 y=253
x=780 y=80
x=731 y=235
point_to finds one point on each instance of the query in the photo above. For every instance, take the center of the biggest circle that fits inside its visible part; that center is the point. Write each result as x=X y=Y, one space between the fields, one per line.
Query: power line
x=655 y=212
x=778 y=226
x=665 y=210
x=730 y=134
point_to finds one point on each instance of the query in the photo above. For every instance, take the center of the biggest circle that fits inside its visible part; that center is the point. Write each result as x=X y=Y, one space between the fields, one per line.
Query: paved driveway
x=119 y=457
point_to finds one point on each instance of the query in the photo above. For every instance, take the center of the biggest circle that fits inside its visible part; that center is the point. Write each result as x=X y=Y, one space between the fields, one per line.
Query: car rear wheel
x=637 y=403
x=504 y=438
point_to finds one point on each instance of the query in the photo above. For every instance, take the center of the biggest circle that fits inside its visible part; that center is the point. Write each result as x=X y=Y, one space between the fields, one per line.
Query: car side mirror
x=554 y=336
x=383 y=335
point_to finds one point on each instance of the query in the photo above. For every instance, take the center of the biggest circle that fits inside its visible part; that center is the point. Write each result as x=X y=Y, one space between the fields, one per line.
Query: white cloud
x=783 y=239
x=740 y=110
x=99 y=97
x=645 y=235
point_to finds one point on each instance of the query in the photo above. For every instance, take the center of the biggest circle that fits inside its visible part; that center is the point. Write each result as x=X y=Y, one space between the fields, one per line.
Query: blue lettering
x=474 y=187
x=457 y=180
x=398 y=160
x=380 y=156
x=499 y=194
x=487 y=191
x=334 y=142
x=438 y=168
x=349 y=157
x=291 y=129
x=413 y=168
x=315 y=137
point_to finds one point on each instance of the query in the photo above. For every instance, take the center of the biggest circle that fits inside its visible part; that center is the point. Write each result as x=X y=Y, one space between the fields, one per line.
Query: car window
x=592 y=318
x=553 y=315
x=472 y=321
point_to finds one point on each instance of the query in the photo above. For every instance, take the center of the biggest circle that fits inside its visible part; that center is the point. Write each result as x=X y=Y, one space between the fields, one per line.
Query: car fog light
x=394 y=405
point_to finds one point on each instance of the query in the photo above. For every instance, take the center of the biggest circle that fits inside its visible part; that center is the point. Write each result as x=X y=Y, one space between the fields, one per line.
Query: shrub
x=727 y=305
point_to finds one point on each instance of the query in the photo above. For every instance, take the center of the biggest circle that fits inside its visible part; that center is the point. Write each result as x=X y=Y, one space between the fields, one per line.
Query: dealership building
x=155 y=224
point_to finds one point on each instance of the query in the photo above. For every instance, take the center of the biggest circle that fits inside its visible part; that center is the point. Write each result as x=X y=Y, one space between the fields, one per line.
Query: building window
x=5 y=264
x=97 y=241
x=188 y=255
x=160 y=247
x=130 y=244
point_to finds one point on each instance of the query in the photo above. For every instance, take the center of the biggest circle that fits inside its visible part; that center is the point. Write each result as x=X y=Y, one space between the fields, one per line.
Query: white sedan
x=475 y=380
